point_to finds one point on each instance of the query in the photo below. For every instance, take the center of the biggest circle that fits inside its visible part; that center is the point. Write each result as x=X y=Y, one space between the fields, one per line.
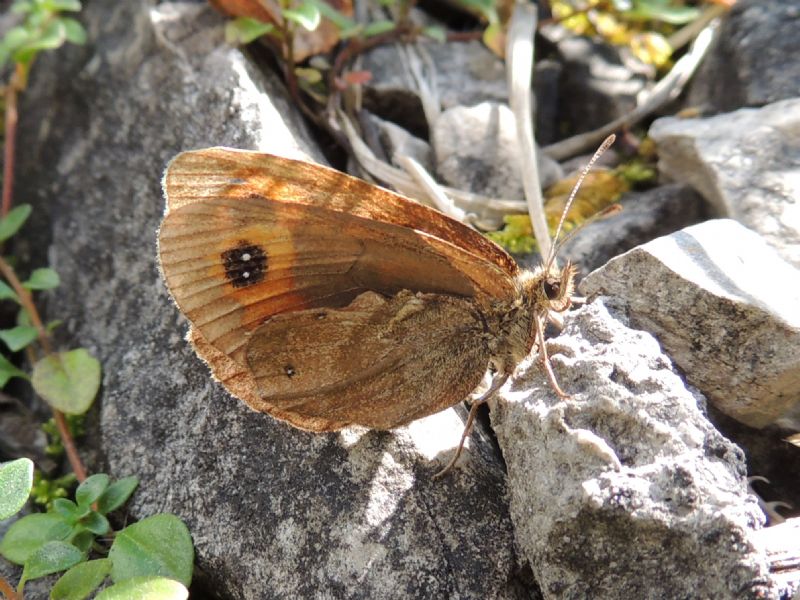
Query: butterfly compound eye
x=244 y=264
x=552 y=289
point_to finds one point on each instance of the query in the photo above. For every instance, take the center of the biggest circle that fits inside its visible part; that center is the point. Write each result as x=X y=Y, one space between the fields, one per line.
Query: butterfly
x=326 y=301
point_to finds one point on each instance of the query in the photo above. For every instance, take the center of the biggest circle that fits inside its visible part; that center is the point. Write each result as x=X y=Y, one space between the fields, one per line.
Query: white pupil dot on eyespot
x=246 y=274
x=246 y=256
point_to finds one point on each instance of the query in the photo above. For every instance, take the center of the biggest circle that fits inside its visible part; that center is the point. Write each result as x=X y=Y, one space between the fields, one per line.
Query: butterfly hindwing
x=379 y=362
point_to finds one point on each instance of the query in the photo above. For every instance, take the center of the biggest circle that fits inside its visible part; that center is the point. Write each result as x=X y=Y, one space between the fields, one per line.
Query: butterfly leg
x=545 y=360
x=497 y=383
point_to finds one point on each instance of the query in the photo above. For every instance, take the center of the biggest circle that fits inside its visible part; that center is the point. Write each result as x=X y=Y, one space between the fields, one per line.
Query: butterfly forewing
x=214 y=173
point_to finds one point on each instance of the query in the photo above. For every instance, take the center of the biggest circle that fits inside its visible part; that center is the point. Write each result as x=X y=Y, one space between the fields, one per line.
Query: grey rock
x=599 y=82
x=645 y=215
x=466 y=73
x=624 y=489
x=477 y=150
x=546 y=84
x=724 y=306
x=391 y=93
x=273 y=511
x=753 y=60
x=745 y=163
x=391 y=139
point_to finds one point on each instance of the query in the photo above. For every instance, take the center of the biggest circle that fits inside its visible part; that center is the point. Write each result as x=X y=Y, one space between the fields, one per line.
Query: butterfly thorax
x=538 y=293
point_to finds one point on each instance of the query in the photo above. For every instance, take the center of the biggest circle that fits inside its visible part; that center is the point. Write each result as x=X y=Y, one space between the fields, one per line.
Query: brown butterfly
x=326 y=301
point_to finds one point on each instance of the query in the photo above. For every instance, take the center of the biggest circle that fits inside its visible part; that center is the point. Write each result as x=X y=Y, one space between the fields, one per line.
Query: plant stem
x=69 y=446
x=26 y=300
x=12 y=91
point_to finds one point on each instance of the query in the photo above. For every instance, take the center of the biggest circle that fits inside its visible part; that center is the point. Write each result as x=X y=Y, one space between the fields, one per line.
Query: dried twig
x=664 y=91
x=519 y=51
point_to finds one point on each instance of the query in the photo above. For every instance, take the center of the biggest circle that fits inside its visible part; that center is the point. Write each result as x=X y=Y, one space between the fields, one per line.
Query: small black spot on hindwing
x=245 y=264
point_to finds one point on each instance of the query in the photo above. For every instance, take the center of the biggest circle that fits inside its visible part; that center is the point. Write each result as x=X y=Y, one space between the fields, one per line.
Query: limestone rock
x=747 y=65
x=724 y=307
x=745 y=163
x=477 y=150
x=624 y=489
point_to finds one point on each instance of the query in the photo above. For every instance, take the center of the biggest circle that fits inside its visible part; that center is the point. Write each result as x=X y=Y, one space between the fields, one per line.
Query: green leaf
x=661 y=11
x=8 y=370
x=23 y=318
x=42 y=279
x=21 y=7
x=435 y=33
x=96 y=523
x=50 y=558
x=145 y=588
x=68 y=381
x=81 y=538
x=6 y=293
x=157 y=545
x=245 y=30
x=379 y=27
x=81 y=580
x=74 y=31
x=48 y=39
x=13 y=39
x=68 y=510
x=16 y=217
x=29 y=533
x=18 y=337
x=62 y=5
x=307 y=15
x=341 y=21
x=91 y=489
x=116 y=494
x=16 y=481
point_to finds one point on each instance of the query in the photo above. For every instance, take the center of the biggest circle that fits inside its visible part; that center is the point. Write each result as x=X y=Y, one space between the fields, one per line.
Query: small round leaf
x=51 y=558
x=16 y=217
x=42 y=279
x=74 y=31
x=8 y=370
x=68 y=381
x=16 y=481
x=30 y=533
x=157 y=545
x=96 y=523
x=81 y=580
x=91 y=489
x=117 y=494
x=18 y=337
x=145 y=588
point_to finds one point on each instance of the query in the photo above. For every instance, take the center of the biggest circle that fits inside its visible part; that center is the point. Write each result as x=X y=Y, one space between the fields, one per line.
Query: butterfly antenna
x=598 y=153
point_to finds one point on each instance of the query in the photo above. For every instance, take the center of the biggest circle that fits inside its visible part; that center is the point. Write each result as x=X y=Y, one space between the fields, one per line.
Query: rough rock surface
x=477 y=150
x=747 y=65
x=273 y=511
x=599 y=82
x=627 y=469
x=745 y=163
x=724 y=306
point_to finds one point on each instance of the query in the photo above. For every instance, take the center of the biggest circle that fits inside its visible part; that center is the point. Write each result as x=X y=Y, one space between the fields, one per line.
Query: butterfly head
x=550 y=288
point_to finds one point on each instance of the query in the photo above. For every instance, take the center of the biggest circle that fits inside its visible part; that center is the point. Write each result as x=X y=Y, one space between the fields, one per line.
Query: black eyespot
x=245 y=264
x=289 y=370
x=552 y=289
